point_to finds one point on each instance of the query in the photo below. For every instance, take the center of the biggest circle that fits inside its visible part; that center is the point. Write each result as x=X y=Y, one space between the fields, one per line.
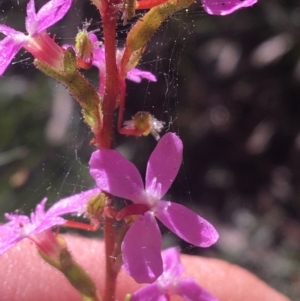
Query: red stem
x=109 y=102
x=82 y=226
x=104 y=139
x=122 y=106
x=147 y=4
x=109 y=18
x=111 y=274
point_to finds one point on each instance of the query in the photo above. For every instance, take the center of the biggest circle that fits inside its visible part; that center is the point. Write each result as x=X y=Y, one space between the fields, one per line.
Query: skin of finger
x=24 y=276
x=229 y=282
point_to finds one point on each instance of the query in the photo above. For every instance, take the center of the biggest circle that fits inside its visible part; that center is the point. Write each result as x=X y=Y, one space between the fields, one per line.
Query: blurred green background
x=229 y=86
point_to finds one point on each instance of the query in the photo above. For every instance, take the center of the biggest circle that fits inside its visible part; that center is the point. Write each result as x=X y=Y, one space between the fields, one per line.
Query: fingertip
x=25 y=276
x=228 y=281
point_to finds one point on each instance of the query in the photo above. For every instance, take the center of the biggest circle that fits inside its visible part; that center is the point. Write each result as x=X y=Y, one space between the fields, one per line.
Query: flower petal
x=171 y=262
x=150 y=292
x=20 y=226
x=47 y=223
x=136 y=75
x=99 y=61
x=8 y=50
x=186 y=224
x=141 y=249
x=10 y=45
x=51 y=13
x=73 y=204
x=116 y=175
x=12 y=231
x=99 y=58
x=39 y=214
x=10 y=32
x=31 y=22
x=7 y=241
x=164 y=162
x=189 y=290
x=225 y=7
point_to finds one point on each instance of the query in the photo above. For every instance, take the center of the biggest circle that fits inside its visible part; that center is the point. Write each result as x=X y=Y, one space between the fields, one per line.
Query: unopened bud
x=95 y=206
x=144 y=124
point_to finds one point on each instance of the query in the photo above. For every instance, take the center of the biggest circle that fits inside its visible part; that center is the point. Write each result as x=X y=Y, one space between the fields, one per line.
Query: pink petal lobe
x=189 y=290
x=8 y=50
x=116 y=175
x=7 y=241
x=136 y=75
x=39 y=212
x=186 y=224
x=73 y=204
x=141 y=250
x=31 y=22
x=225 y=7
x=52 y=12
x=164 y=162
x=47 y=223
x=10 y=45
x=150 y=292
x=171 y=262
x=11 y=232
x=10 y=32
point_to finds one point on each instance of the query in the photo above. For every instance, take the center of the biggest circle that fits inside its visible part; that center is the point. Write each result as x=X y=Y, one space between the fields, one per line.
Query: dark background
x=229 y=86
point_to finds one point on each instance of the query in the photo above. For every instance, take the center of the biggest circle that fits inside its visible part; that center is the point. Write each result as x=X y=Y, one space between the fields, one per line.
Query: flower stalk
x=109 y=19
x=109 y=16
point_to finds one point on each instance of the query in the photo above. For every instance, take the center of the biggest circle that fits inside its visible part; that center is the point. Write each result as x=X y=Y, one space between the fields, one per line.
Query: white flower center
x=153 y=193
x=168 y=282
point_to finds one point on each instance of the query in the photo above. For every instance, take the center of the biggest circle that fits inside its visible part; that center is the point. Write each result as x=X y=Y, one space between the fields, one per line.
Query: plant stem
x=109 y=19
x=109 y=16
x=111 y=274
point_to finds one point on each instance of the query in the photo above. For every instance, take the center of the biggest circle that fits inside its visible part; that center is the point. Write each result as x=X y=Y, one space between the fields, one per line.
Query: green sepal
x=75 y=274
x=70 y=62
x=131 y=62
x=83 y=44
x=80 y=89
x=145 y=28
x=52 y=257
x=53 y=262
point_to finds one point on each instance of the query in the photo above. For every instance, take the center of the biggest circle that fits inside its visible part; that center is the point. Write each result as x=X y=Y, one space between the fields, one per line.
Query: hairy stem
x=109 y=19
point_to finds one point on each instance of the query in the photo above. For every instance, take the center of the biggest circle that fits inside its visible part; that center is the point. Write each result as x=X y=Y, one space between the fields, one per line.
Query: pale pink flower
x=21 y=226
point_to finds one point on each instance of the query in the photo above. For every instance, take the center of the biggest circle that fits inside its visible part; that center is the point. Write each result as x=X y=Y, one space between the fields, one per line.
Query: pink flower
x=225 y=7
x=37 y=41
x=141 y=246
x=135 y=74
x=21 y=226
x=170 y=283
